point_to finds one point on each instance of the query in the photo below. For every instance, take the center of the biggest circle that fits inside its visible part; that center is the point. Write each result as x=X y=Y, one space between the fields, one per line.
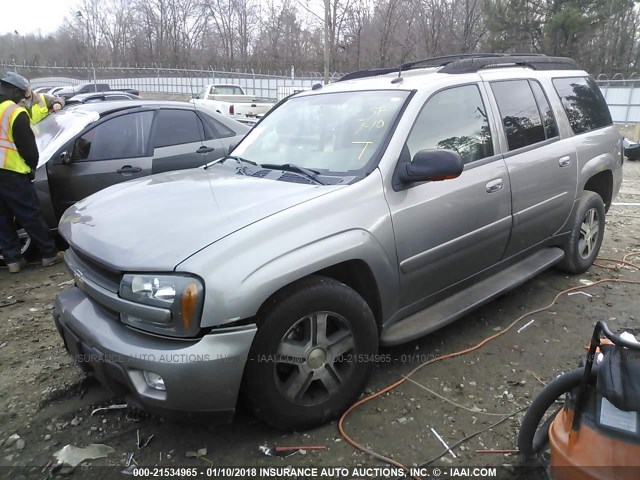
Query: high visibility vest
x=38 y=110
x=10 y=159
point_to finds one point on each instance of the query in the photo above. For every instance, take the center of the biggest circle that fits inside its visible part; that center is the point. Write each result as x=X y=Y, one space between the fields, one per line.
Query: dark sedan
x=89 y=147
x=94 y=97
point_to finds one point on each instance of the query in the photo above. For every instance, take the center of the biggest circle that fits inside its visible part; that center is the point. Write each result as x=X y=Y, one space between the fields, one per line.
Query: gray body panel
x=248 y=237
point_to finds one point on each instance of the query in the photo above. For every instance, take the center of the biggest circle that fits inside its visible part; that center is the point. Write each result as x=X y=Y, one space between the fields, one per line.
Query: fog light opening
x=154 y=380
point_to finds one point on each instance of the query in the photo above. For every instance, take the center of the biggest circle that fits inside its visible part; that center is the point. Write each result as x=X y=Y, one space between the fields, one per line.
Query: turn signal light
x=189 y=303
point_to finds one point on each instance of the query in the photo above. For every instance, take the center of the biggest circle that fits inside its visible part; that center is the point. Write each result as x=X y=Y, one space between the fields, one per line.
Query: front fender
x=243 y=291
x=348 y=245
x=242 y=270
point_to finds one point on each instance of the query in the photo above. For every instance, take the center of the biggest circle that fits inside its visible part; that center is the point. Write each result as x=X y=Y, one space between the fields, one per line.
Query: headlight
x=182 y=295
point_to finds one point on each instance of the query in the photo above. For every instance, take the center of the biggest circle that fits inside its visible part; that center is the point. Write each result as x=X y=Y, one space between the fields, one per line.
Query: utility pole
x=327 y=51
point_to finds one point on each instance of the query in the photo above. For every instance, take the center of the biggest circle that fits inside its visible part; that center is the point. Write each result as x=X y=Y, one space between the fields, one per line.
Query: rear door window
x=176 y=127
x=215 y=129
x=548 y=120
x=519 y=111
x=583 y=101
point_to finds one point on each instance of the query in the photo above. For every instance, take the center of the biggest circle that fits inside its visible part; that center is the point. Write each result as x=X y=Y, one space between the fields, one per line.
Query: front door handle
x=564 y=161
x=129 y=169
x=205 y=149
x=494 y=185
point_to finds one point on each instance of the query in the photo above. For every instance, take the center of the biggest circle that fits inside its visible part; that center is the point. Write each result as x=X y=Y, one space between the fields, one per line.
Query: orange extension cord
x=362 y=401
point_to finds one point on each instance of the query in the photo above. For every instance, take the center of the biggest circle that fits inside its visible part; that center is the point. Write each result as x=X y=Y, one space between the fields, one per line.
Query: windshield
x=334 y=133
x=58 y=128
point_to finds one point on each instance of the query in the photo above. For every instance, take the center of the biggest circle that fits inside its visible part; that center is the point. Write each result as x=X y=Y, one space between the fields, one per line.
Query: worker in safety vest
x=18 y=197
x=39 y=105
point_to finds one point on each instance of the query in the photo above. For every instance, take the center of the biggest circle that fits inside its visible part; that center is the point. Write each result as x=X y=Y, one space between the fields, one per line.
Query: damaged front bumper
x=197 y=375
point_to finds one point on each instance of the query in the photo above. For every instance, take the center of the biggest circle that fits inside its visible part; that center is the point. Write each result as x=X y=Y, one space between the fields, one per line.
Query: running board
x=458 y=305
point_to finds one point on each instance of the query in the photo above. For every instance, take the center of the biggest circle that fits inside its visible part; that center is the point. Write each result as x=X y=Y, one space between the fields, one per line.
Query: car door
x=542 y=166
x=447 y=231
x=179 y=141
x=116 y=150
x=219 y=136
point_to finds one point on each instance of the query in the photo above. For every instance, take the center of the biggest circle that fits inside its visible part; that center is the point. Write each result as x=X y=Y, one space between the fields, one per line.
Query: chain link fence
x=622 y=94
x=168 y=81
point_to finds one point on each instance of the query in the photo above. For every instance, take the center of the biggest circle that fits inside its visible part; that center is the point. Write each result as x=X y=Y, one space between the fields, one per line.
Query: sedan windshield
x=333 y=133
x=58 y=128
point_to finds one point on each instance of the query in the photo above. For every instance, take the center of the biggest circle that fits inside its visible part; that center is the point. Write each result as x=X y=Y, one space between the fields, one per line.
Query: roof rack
x=473 y=62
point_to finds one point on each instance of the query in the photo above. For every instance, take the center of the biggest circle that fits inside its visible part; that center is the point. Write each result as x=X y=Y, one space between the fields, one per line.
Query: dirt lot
x=46 y=400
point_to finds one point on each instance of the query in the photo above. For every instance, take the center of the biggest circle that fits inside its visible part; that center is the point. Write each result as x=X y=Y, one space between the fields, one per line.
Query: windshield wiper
x=292 y=167
x=240 y=160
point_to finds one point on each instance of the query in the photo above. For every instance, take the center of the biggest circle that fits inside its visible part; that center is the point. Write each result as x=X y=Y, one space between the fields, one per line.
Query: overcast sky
x=29 y=16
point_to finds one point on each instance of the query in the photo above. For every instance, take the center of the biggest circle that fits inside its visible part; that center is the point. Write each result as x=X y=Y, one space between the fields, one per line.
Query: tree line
x=268 y=35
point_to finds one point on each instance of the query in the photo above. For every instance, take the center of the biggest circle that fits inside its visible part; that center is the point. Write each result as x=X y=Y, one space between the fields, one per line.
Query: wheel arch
x=354 y=273
x=602 y=184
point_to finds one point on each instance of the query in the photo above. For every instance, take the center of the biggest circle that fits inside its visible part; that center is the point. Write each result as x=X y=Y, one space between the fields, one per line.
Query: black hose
x=532 y=439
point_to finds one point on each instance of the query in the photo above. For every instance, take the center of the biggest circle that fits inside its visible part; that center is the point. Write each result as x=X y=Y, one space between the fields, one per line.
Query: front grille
x=98 y=273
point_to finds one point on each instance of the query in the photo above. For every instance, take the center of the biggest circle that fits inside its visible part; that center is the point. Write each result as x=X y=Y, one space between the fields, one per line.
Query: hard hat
x=16 y=80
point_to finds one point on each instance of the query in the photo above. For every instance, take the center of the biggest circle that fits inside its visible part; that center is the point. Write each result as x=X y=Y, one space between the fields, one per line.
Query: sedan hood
x=156 y=222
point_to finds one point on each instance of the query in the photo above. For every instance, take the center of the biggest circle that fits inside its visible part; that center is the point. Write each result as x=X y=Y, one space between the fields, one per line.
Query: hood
x=156 y=222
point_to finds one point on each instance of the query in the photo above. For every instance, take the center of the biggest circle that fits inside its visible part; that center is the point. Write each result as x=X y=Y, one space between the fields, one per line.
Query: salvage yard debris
x=525 y=325
x=118 y=406
x=443 y=442
x=73 y=456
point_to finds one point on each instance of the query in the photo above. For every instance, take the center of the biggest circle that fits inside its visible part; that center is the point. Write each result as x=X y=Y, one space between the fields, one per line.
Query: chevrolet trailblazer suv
x=368 y=212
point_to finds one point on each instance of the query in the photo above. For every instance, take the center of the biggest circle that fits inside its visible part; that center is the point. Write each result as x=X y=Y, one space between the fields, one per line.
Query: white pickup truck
x=232 y=101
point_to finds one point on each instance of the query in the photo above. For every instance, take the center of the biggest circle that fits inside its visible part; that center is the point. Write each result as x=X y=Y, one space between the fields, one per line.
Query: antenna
x=399 y=78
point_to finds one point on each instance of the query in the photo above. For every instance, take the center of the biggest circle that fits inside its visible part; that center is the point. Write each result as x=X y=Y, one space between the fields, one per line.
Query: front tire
x=312 y=355
x=587 y=232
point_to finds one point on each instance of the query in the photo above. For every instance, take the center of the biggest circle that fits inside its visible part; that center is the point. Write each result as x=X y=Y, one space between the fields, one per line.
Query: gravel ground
x=48 y=401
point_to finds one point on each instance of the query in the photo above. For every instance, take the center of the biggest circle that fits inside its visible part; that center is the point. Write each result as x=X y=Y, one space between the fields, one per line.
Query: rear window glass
x=583 y=102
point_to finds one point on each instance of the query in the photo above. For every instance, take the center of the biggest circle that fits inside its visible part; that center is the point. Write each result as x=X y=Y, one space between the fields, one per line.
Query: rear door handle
x=129 y=169
x=494 y=185
x=205 y=149
x=564 y=161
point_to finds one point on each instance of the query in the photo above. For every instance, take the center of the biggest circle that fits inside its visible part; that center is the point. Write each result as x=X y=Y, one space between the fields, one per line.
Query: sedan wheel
x=25 y=243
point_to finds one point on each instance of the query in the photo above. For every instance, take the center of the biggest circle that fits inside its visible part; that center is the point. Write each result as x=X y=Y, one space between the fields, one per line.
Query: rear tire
x=587 y=232
x=312 y=355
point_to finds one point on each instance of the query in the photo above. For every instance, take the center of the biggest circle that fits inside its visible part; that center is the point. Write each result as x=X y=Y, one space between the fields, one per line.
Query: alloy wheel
x=589 y=231
x=313 y=359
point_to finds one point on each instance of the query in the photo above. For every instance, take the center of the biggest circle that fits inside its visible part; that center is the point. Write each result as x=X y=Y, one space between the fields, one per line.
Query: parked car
x=368 y=212
x=232 y=101
x=55 y=90
x=89 y=87
x=631 y=149
x=42 y=89
x=100 y=97
x=86 y=148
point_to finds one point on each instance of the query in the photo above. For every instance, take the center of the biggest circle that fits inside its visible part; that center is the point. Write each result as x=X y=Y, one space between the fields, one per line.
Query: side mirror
x=432 y=165
x=194 y=95
x=65 y=158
